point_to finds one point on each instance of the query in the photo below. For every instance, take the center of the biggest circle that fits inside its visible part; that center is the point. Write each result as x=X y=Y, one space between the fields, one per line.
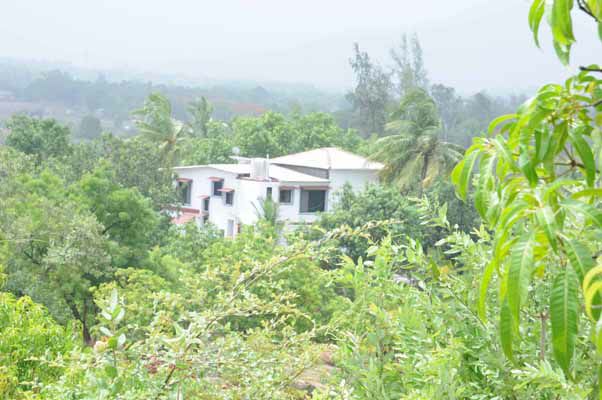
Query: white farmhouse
x=228 y=195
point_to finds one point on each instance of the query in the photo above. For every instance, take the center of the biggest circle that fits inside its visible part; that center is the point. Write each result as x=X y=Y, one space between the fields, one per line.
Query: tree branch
x=588 y=69
x=585 y=8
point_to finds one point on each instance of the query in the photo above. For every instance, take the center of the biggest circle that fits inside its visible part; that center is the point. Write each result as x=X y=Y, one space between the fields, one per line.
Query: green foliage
x=396 y=213
x=135 y=163
x=126 y=216
x=89 y=127
x=190 y=242
x=200 y=111
x=537 y=189
x=42 y=138
x=268 y=212
x=30 y=340
x=371 y=94
x=382 y=210
x=386 y=297
x=155 y=123
x=559 y=18
x=537 y=180
x=413 y=154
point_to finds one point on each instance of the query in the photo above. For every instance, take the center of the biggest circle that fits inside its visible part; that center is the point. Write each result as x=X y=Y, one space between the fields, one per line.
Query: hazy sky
x=470 y=44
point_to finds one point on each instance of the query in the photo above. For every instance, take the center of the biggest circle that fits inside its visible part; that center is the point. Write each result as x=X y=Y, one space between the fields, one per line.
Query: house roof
x=279 y=173
x=283 y=174
x=328 y=158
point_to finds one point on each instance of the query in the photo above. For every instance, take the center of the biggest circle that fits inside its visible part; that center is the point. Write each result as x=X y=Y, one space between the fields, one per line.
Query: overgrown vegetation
x=389 y=296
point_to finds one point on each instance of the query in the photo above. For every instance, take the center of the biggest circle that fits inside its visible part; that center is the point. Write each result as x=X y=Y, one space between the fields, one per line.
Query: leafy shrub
x=30 y=340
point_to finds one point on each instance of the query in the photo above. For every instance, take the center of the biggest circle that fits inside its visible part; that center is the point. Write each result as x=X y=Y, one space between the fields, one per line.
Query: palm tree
x=200 y=111
x=413 y=153
x=156 y=124
x=268 y=211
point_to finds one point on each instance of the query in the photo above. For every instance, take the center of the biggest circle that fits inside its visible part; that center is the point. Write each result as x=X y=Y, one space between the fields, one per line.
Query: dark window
x=217 y=185
x=206 y=204
x=313 y=201
x=229 y=198
x=286 y=196
x=268 y=193
x=205 y=219
x=184 y=191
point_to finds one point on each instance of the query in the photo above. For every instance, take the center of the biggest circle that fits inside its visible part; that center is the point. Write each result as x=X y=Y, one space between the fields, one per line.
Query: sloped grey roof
x=328 y=158
x=277 y=172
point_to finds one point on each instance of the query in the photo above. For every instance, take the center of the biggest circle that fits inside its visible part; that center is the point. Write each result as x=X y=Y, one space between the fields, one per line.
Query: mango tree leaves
x=560 y=20
x=538 y=188
x=564 y=308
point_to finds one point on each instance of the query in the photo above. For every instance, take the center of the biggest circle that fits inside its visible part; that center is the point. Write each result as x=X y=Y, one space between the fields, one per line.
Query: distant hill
x=68 y=94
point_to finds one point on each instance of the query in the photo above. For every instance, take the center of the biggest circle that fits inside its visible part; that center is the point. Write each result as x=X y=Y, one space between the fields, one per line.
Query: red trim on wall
x=204 y=196
x=184 y=209
x=183 y=219
x=247 y=178
x=190 y=210
x=225 y=190
x=215 y=179
x=184 y=180
x=287 y=187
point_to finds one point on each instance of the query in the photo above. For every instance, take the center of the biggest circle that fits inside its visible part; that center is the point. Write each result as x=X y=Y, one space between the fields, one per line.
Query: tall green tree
x=155 y=122
x=135 y=163
x=408 y=66
x=56 y=252
x=89 y=127
x=200 y=111
x=42 y=138
x=449 y=106
x=413 y=154
x=371 y=94
x=126 y=216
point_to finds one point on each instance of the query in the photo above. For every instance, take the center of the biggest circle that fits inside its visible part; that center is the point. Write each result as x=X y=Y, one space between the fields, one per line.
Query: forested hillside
x=472 y=271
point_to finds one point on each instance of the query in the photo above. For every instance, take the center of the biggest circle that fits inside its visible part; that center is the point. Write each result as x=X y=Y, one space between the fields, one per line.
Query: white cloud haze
x=470 y=44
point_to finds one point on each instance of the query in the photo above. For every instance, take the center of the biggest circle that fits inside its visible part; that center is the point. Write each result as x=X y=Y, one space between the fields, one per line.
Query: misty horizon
x=275 y=43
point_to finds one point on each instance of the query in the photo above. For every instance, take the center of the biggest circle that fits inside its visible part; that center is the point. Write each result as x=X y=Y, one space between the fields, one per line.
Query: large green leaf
x=461 y=173
x=562 y=25
x=521 y=265
x=579 y=256
x=535 y=15
x=506 y=330
x=564 y=308
x=587 y=210
x=585 y=154
x=485 y=281
x=587 y=193
x=545 y=217
x=494 y=124
x=591 y=288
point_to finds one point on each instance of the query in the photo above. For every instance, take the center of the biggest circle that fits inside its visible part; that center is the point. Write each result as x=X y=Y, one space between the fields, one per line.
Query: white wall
x=291 y=212
x=358 y=179
x=247 y=192
x=219 y=212
x=251 y=192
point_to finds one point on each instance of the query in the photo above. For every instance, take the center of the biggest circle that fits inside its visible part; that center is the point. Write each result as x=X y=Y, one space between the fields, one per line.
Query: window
x=229 y=198
x=217 y=185
x=184 y=191
x=205 y=219
x=206 y=204
x=313 y=201
x=286 y=196
x=268 y=193
x=230 y=229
